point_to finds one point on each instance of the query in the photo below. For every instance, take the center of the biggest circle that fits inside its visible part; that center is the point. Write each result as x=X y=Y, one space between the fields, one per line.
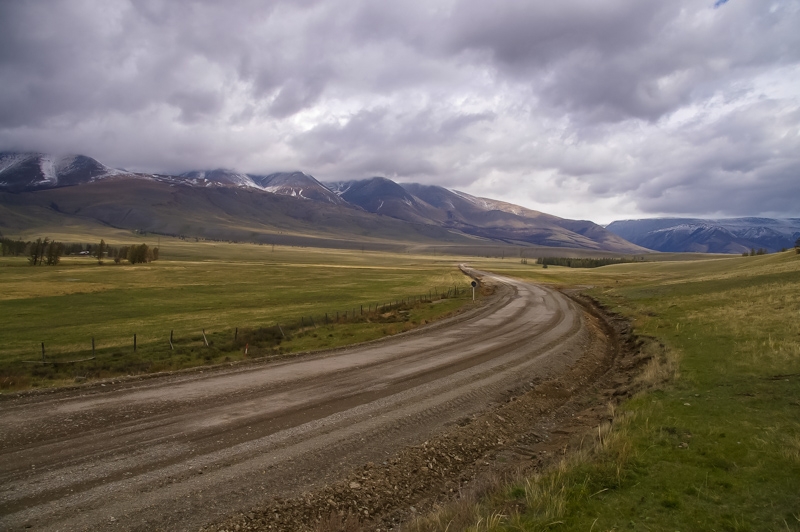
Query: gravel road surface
x=184 y=450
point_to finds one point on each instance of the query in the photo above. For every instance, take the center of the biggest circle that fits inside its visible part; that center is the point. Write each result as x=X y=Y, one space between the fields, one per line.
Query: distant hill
x=227 y=204
x=734 y=235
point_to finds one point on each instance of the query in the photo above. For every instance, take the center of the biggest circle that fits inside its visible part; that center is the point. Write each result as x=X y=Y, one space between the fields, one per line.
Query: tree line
x=46 y=252
x=581 y=263
x=763 y=251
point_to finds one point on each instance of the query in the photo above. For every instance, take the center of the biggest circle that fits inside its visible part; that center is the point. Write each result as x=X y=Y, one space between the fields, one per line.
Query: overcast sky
x=590 y=109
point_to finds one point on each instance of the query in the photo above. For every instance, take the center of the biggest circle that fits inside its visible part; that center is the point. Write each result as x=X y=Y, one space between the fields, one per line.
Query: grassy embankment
x=213 y=286
x=713 y=443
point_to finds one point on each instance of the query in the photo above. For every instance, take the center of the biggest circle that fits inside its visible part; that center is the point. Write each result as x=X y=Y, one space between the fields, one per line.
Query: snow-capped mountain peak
x=27 y=171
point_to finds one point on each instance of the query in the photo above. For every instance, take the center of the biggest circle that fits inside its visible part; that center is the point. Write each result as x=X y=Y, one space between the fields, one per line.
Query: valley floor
x=178 y=452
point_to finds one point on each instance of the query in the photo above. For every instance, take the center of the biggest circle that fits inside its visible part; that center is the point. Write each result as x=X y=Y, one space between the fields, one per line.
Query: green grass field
x=716 y=446
x=712 y=444
x=196 y=286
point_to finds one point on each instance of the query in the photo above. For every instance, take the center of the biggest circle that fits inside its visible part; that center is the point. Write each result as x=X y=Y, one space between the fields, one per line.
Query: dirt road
x=182 y=451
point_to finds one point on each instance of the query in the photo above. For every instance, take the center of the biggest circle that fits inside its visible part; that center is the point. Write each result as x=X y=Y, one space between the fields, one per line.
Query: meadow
x=216 y=300
x=713 y=441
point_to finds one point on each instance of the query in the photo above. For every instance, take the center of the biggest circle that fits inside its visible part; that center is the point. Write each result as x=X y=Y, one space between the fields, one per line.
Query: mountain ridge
x=442 y=211
x=726 y=235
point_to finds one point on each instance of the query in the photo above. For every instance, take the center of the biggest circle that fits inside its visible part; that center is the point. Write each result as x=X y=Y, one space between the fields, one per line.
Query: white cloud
x=579 y=108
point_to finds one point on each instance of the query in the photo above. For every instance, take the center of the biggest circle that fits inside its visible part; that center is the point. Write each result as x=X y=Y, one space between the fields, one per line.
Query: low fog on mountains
x=582 y=109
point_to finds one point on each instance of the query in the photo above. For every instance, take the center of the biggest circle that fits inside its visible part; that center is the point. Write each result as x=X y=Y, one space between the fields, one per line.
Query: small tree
x=140 y=253
x=133 y=255
x=45 y=252
x=100 y=250
x=38 y=249
x=54 y=252
x=797 y=246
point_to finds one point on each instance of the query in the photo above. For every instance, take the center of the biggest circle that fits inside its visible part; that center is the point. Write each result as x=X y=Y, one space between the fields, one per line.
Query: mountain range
x=733 y=235
x=294 y=206
x=226 y=204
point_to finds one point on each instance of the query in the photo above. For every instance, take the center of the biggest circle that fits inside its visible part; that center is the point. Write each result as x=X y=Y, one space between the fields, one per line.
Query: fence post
x=362 y=310
x=171 y=347
x=134 y=342
x=204 y=337
x=326 y=318
x=236 y=334
x=281 y=330
x=92 y=345
x=42 y=351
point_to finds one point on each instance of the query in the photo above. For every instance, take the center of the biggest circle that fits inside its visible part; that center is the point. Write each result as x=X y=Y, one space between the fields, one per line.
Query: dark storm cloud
x=622 y=59
x=643 y=107
x=376 y=142
x=294 y=96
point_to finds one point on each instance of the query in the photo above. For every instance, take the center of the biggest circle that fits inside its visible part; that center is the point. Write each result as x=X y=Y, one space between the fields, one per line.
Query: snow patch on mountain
x=219 y=177
x=492 y=205
x=692 y=228
x=479 y=202
x=9 y=160
x=48 y=168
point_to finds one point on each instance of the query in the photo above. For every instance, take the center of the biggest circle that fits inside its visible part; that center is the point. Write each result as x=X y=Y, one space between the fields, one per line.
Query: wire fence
x=207 y=347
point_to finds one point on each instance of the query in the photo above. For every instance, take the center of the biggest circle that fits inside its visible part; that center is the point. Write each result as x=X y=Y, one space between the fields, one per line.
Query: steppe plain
x=673 y=407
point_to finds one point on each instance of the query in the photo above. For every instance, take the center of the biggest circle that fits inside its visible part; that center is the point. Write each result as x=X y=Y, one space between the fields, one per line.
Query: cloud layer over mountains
x=580 y=108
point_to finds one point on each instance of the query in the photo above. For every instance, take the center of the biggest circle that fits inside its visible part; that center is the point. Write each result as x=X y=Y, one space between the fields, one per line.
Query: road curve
x=178 y=452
